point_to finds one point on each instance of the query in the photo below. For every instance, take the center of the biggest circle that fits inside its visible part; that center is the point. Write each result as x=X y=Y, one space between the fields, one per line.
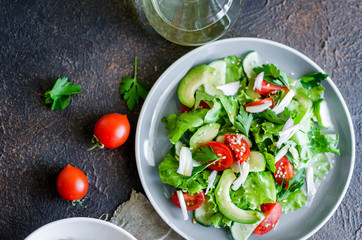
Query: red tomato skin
x=222 y=150
x=193 y=202
x=201 y=105
x=239 y=147
x=72 y=183
x=269 y=88
x=284 y=170
x=259 y=102
x=272 y=212
x=112 y=130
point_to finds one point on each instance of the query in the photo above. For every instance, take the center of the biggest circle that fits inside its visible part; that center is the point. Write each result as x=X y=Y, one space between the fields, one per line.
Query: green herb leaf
x=273 y=75
x=132 y=90
x=243 y=121
x=206 y=155
x=294 y=185
x=312 y=80
x=198 y=169
x=60 y=94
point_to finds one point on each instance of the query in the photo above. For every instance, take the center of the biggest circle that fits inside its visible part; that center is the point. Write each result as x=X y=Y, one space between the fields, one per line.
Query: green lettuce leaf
x=239 y=199
x=259 y=188
x=316 y=93
x=202 y=96
x=168 y=174
x=234 y=69
x=293 y=201
x=320 y=165
x=215 y=113
x=322 y=143
x=177 y=125
x=230 y=105
x=219 y=220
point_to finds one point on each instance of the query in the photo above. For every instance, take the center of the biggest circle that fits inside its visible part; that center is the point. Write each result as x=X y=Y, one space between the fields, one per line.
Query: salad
x=248 y=144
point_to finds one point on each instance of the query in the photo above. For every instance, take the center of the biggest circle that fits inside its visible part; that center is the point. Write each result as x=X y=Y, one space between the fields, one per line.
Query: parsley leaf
x=243 y=121
x=294 y=185
x=132 y=90
x=273 y=117
x=60 y=94
x=312 y=80
x=206 y=155
x=273 y=75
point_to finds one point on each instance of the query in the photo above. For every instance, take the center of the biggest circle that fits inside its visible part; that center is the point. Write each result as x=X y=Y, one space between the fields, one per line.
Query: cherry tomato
x=192 y=201
x=272 y=212
x=268 y=87
x=223 y=151
x=201 y=105
x=284 y=171
x=239 y=147
x=112 y=130
x=260 y=102
x=72 y=184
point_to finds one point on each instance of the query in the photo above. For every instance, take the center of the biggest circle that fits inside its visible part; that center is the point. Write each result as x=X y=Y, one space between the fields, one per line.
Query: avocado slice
x=193 y=80
x=227 y=207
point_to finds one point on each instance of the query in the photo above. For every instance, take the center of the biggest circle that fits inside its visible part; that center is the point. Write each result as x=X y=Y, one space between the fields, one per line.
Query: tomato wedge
x=269 y=88
x=284 y=171
x=201 y=105
x=260 y=102
x=192 y=201
x=272 y=212
x=223 y=151
x=239 y=146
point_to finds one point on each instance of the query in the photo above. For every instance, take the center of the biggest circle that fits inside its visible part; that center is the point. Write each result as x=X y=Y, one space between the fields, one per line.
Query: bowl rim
x=221 y=42
x=77 y=220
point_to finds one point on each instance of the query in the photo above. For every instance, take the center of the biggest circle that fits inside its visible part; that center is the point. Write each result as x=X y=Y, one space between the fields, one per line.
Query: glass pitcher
x=192 y=22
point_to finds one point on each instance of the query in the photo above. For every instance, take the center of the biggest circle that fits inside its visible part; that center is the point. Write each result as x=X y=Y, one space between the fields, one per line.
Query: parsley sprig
x=294 y=185
x=243 y=121
x=60 y=94
x=273 y=75
x=132 y=90
x=312 y=80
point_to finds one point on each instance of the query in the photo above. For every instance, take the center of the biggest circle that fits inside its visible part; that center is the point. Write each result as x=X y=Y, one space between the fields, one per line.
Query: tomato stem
x=97 y=143
x=78 y=202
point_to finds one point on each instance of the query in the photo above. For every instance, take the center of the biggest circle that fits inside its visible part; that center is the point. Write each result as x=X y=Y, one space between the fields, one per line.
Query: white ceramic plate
x=152 y=143
x=80 y=228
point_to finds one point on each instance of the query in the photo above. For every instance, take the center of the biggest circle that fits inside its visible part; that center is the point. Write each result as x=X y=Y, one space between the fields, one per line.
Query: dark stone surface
x=93 y=43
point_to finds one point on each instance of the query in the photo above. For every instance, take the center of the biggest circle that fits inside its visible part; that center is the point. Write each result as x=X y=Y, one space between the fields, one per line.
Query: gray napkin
x=138 y=217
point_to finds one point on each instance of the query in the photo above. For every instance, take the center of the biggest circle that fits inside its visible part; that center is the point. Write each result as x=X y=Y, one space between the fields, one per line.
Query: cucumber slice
x=322 y=113
x=256 y=161
x=249 y=62
x=203 y=135
x=193 y=80
x=218 y=78
x=241 y=231
x=227 y=207
x=204 y=213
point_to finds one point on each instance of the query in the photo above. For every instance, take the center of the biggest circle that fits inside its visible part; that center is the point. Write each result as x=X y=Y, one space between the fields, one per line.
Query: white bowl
x=152 y=143
x=80 y=228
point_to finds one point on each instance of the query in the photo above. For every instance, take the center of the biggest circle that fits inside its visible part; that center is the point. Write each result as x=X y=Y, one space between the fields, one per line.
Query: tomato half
x=267 y=87
x=284 y=171
x=239 y=146
x=223 y=151
x=260 y=102
x=112 y=130
x=201 y=105
x=192 y=201
x=272 y=212
x=72 y=183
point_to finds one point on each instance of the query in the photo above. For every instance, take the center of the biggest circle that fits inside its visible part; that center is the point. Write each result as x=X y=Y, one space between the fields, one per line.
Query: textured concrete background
x=94 y=44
